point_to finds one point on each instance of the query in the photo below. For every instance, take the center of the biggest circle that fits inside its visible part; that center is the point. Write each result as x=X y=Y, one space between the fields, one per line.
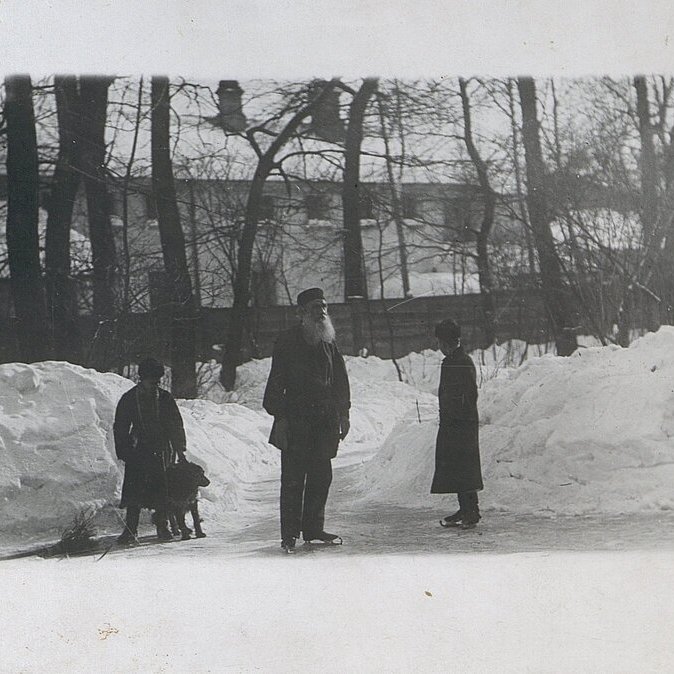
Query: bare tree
x=488 y=208
x=266 y=163
x=94 y=104
x=183 y=373
x=22 y=221
x=555 y=294
x=354 y=277
x=355 y=288
x=395 y=189
x=61 y=298
x=649 y=192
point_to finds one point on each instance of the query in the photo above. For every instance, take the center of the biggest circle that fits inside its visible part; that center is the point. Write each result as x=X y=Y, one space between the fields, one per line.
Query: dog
x=184 y=479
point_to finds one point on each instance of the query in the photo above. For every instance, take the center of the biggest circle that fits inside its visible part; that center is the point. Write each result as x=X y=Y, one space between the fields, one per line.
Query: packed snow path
x=378 y=528
x=520 y=594
x=388 y=528
x=371 y=528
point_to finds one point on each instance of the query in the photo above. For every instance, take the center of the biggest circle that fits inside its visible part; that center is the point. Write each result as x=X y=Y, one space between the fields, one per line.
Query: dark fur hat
x=448 y=330
x=149 y=368
x=310 y=295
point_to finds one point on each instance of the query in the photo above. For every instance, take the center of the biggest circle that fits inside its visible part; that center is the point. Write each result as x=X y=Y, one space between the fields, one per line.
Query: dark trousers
x=305 y=483
x=468 y=505
x=132 y=517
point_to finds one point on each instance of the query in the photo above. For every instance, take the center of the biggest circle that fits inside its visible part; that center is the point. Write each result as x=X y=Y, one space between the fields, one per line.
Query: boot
x=471 y=519
x=323 y=537
x=288 y=545
x=163 y=533
x=453 y=520
x=130 y=533
x=468 y=502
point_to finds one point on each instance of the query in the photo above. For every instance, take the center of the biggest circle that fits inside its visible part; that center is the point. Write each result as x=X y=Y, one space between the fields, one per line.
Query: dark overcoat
x=308 y=388
x=148 y=431
x=457 y=448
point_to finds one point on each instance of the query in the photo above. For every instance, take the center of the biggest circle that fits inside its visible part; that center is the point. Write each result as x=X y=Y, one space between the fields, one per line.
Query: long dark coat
x=148 y=433
x=309 y=388
x=457 y=448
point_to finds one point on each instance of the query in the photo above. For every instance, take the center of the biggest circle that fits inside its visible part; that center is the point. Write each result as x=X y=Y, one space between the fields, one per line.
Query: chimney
x=230 y=116
x=325 y=120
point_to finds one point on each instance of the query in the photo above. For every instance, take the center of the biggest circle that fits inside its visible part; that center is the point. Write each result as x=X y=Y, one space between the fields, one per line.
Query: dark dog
x=184 y=479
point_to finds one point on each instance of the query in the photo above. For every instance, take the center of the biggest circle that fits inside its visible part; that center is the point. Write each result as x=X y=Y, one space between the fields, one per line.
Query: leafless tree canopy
x=130 y=205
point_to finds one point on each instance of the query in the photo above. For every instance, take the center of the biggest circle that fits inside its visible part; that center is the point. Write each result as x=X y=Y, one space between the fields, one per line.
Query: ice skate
x=127 y=537
x=451 y=521
x=288 y=545
x=470 y=521
x=323 y=537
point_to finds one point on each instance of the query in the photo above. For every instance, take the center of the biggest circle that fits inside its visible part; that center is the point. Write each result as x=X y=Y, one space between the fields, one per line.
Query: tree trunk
x=649 y=192
x=126 y=184
x=489 y=197
x=555 y=294
x=183 y=370
x=355 y=286
x=94 y=101
x=521 y=202
x=396 y=208
x=61 y=297
x=231 y=357
x=355 y=283
x=22 y=221
x=657 y=259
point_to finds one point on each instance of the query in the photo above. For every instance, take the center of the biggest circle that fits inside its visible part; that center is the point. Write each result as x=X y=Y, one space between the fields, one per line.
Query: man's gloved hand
x=344 y=426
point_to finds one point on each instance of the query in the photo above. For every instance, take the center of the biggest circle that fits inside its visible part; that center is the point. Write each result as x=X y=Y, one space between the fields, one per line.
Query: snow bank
x=585 y=434
x=55 y=422
x=57 y=450
x=379 y=400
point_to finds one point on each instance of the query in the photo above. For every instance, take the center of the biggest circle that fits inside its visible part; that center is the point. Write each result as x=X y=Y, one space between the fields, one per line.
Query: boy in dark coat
x=308 y=395
x=457 y=449
x=149 y=434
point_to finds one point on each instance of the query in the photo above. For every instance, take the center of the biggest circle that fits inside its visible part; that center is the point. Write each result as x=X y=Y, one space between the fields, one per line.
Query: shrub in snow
x=79 y=535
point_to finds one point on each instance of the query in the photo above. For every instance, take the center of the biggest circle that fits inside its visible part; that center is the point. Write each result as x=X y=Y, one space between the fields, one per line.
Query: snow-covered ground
x=593 y=433
x=578 y=457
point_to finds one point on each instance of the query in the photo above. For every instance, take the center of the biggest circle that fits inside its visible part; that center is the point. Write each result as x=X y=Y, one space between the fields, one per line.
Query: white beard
x=318 y=331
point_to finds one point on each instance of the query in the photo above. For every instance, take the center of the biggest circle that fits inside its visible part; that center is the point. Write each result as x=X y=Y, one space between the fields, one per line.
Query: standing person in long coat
x=457 y=449
x=149 y=435
x=308 y=395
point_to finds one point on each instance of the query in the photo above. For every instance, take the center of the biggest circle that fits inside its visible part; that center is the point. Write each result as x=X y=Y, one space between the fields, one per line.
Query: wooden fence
x=385 y=329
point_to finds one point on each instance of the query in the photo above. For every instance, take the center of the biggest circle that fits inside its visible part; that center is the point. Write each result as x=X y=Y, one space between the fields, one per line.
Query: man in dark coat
x=308 y=395
x=149 y=435
x=457 y=449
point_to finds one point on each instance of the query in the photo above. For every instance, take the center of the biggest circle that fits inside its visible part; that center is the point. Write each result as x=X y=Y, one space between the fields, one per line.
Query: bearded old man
x=149 y=436
x=308 y=395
